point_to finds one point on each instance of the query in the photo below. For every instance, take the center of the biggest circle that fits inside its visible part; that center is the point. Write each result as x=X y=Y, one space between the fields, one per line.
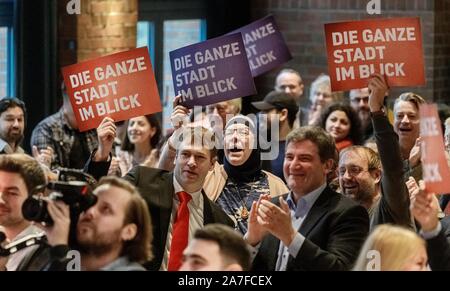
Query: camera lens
x=36 y=210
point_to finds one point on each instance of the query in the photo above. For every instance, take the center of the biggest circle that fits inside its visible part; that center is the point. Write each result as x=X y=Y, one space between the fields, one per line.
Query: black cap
x=278 y=100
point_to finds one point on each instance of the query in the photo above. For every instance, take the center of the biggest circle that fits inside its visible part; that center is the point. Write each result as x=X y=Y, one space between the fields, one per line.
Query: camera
x=77 y=194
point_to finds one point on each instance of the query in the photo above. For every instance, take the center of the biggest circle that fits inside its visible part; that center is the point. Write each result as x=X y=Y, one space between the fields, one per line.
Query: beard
x=12 y=136
x=365 y=193
x=98 y=244
x=364 y=116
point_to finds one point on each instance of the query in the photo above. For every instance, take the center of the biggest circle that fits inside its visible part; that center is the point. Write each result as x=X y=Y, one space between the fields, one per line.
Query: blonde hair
x=396 y=245
x=236 y=105
x=414 y=98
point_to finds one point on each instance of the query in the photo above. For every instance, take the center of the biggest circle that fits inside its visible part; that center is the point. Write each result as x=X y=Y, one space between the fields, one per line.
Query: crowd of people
x=342 y=188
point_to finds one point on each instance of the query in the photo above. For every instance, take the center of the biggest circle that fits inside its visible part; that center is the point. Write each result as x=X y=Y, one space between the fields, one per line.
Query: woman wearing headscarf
x=240 y=180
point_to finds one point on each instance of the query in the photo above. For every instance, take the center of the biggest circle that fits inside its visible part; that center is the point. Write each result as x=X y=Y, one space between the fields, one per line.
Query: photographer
x=113 y=235
x=19 y=175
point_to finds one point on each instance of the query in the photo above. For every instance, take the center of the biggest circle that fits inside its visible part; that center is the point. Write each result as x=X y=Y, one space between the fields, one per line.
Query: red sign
x=391 y=47
x=120 y=86
x=436 y=173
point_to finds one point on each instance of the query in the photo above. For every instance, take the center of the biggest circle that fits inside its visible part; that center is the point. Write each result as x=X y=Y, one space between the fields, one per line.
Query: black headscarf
x=251 y=168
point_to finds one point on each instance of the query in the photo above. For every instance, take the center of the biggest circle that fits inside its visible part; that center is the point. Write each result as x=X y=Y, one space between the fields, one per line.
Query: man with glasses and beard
x=372 y=181
x=12 y=125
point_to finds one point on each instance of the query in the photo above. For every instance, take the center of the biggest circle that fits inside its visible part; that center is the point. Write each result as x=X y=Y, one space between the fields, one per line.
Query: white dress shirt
x=195 y=218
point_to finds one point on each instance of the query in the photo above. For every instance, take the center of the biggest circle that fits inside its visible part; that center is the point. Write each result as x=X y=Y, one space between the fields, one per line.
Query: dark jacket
x=156 y=187
x=335 y=229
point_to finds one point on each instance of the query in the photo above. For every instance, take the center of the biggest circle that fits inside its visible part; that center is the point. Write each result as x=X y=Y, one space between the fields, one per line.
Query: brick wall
x=301 y=22
x=105 y=27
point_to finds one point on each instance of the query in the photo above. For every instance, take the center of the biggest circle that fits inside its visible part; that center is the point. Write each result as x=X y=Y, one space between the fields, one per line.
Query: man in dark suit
x=312 y=227
x=161 y=190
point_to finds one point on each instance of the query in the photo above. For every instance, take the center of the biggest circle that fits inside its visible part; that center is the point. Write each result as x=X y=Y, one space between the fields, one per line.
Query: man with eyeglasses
x=376 y=182
x=12 y=125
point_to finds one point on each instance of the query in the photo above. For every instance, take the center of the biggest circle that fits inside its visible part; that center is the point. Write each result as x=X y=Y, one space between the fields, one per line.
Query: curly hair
x=355 y=134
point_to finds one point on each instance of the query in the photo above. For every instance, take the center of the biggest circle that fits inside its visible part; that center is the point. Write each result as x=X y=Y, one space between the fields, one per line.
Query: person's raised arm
x=179 y=118
x=106 y=133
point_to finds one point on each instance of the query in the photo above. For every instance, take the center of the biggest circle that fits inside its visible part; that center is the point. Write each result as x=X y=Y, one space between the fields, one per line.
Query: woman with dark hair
x=140 y=143
x=343 y=124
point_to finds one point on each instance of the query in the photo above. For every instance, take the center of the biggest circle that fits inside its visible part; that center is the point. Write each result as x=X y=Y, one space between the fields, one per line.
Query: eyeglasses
x=352 y=171
x=242 y=132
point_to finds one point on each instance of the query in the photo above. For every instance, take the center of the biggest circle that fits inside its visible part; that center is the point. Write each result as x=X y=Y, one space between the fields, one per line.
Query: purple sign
x=265 y=45
x=212 y=71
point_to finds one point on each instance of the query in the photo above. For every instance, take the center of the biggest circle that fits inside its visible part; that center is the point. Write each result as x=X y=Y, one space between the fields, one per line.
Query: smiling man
x=177 y=204
x=407 y=121
x=312 y=227
x=12 y=125
x=372 y=180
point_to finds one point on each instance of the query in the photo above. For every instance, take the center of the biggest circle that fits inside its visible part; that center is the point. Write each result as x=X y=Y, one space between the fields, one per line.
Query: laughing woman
x=240 y=180
x=343 y=124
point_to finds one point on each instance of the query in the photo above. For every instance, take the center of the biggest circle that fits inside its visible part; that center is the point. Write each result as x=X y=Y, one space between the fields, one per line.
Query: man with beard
x=377 y=185
x=12 y=125
x=279 y=111
x=359 y=100
x=113 y=235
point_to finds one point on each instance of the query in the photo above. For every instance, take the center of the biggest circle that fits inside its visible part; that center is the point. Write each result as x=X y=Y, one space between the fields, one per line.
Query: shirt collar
x=195 y=195
x=64 y=120
x=306 y=202
x=6 y=148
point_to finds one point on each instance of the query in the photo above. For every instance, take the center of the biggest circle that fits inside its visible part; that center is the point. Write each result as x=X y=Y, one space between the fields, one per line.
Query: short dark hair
x=355 y=133
x=154 y=122
x=139 y=249
x=231 y=244
x=318 y=136
x=292 y=114
x=28 y=168
x=11 y=102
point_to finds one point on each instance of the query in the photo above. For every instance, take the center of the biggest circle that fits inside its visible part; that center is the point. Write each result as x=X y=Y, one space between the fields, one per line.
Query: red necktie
x=180 y=232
